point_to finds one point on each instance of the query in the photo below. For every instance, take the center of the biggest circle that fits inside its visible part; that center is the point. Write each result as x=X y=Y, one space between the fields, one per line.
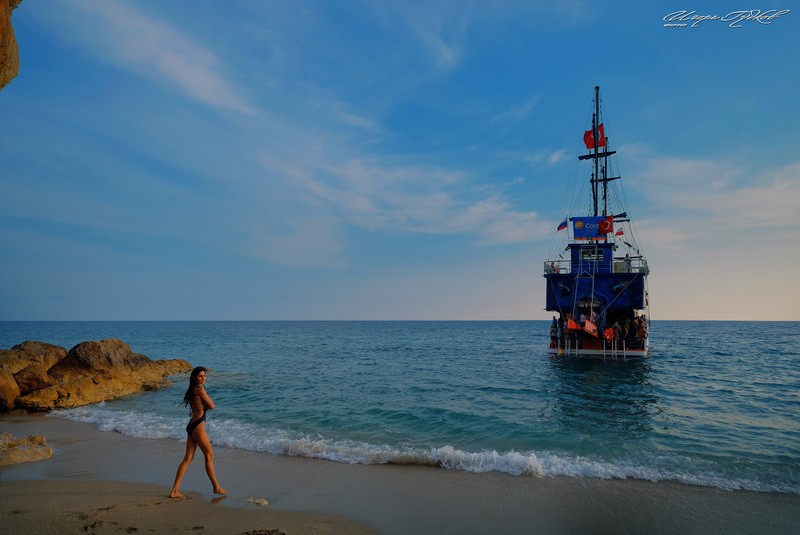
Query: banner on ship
x=587 y=228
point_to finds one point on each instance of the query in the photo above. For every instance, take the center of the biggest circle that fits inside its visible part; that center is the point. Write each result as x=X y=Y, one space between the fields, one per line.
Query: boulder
x=102 y=356
x=15 y=450
x=22 y=355
x=41 y=377
x=9 y=390
x=102 y=386
x=32 y=377
x=9 y=53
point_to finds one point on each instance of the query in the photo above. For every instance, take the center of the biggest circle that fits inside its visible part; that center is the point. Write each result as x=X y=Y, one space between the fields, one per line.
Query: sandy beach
x=104 y=482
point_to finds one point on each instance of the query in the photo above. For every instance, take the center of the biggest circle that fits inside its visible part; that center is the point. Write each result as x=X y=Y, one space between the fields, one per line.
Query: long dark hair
x=187 y=397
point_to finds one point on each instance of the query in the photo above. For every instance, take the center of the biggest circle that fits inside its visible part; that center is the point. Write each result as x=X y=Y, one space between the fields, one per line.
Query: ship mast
x=600 y=174
x=596 y=137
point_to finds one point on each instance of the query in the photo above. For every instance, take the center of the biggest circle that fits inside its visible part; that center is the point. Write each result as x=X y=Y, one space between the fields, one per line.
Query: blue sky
x=387 y=160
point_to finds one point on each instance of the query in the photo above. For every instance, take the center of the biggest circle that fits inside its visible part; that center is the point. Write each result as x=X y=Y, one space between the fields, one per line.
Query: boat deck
x=607 y=350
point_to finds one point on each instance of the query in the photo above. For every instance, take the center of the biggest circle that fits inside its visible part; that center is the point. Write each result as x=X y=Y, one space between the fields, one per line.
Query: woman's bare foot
x=176 y=495
x=220 y=490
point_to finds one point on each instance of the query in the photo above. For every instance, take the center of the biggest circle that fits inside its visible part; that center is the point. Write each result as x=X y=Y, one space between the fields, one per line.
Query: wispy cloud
x=495 y=221
x=153 y=48
x=520 y=112
x=546 y=157
x=406 y=199
x=729 y=194
x=441 y=30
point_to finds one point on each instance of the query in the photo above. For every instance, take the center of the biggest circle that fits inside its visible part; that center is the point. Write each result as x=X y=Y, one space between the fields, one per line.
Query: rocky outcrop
x=15 y=450
x=37 y=376
x=9 y=54
x=27 y=353
x=9 y=390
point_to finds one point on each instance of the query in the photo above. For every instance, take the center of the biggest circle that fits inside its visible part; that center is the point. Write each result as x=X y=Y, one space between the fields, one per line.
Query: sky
x=365 y=159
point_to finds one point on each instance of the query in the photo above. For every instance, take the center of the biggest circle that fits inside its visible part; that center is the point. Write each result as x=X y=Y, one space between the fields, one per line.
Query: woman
x=197 y=398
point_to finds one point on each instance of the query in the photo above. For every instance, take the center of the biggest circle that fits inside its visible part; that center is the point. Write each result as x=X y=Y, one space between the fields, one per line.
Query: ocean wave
x=134 y=424
x=239 y=435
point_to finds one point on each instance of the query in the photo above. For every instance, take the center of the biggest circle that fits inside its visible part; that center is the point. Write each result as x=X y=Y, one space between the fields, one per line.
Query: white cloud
x=440 y=29
x=546 y=157
x=155 y=49
x=520 y=112
x=357 y=121
x=405 y=199
x=496 y=222
x=724 y=194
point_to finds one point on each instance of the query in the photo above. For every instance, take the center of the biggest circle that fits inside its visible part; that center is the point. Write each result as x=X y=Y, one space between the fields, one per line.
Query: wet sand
x=117 y=483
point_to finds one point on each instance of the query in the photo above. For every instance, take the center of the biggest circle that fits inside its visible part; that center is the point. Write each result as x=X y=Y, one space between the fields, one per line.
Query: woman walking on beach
x=197 y=398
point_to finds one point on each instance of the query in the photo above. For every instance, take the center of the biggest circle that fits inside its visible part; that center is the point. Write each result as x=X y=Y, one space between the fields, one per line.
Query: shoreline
x=136 y=474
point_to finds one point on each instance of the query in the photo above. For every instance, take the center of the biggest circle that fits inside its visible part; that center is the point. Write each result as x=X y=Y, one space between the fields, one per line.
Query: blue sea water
x=717 y=404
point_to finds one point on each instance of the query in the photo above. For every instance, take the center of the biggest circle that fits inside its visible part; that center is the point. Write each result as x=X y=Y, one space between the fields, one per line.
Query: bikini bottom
x=190 y=427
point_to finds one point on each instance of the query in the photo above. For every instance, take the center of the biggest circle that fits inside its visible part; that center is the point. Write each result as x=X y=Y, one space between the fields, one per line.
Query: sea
x=717 y=404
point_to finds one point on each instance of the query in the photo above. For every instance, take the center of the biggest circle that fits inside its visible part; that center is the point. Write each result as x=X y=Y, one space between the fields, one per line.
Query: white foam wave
x=129 y=423
x=240 y=435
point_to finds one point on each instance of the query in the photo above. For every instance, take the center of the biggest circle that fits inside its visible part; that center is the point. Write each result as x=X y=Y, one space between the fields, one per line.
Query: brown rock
x=9 y=390
x=103 y=386
x=9 y=53
x=21 y=355
x=14 y=450
x=100 y=356
x=48 y=377
x=32 y=377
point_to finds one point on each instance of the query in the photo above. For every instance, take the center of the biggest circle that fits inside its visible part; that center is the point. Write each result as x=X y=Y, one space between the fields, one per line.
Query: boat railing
x=621 y=265
x=557 y=266
x=631 y=265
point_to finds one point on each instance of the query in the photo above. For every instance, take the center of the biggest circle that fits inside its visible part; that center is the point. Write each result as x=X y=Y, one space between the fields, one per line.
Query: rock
x=34 y=357
x=15 y=450
x=9 y=53
x=104 y=355
x=261 y=502
x=21 y=355
x=41 y=377
x=102 y=386
x=9 y=390
x=32 y=377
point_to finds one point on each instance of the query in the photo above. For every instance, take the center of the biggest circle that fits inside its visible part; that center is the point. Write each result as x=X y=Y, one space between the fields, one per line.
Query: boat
x=596 y=273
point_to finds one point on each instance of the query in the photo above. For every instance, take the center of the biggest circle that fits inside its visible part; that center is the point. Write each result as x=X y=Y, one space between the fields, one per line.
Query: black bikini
x=191 y=426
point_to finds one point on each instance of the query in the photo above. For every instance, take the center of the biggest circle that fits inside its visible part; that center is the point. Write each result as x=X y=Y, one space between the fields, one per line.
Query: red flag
x=590 y=328
x=588 y=137
x=606 y=225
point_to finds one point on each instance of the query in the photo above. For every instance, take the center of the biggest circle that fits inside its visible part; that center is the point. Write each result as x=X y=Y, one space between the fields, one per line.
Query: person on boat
x=641 y=328
x=583 y=319
x=627 y=263
x=199 y=401
x=554 y=334
x=553 y=267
